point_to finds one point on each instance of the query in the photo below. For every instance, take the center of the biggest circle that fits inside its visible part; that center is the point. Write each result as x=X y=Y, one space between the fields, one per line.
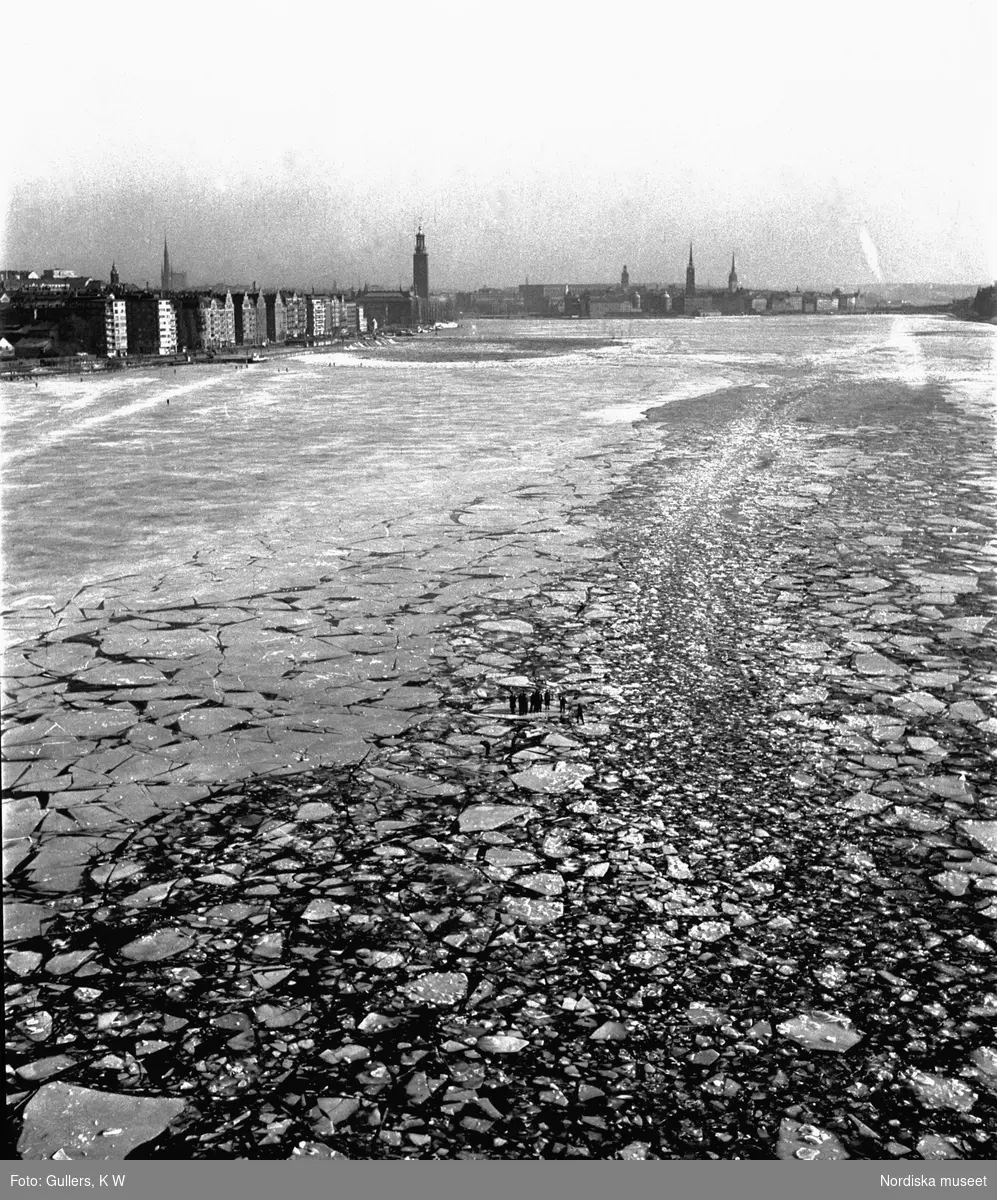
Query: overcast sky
x=825 y=144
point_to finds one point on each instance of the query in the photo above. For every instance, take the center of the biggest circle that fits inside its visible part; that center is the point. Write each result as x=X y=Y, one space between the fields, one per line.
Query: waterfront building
x=115 y=328
x=167 y=317
x=303 y=307
x=29 y=341
x=32 y=346
x=245 y=319
x=143 y=324
x=207 y=322
x=657 y=302
x=276 y=317
x=542 y=299
x=353 y=318
x=608 y=304
x=344 y=315
x=227 y=319
x=732 y=304
x=317 y=314
x=690 y=275
x=188 y=310
x=786 y=302
x=152 y=325
x=261 y=318
x=700 y=305
x=390 y=308
x=420 y=267
x=216 y=319
x=80 y=320
x=296 y=317
x=488 y=301
x=291 y=316
x=335 y=314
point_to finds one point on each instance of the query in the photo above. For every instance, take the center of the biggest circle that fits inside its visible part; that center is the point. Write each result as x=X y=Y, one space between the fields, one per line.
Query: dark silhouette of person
x=512 y=703
x=547 y=699
x=523 y=706
x=563 y=703
x=487 y=748
x=580 y=714
x=536 y=700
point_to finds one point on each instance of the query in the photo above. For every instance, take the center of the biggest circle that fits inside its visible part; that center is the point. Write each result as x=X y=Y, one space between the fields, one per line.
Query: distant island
x=983 y=306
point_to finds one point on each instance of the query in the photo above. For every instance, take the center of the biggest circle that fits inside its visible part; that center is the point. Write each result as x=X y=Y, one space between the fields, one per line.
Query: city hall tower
x=420 y=267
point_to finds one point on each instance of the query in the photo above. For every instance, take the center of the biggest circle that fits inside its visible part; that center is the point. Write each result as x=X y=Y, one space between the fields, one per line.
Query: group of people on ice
x=524 y=703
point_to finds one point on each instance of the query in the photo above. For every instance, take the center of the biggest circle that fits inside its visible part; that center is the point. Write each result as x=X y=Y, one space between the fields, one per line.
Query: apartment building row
x=143 y=323
x=257 y=319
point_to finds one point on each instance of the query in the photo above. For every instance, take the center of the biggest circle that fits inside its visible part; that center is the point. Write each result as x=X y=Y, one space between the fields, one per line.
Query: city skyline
x=810 y=144
x=704 y=280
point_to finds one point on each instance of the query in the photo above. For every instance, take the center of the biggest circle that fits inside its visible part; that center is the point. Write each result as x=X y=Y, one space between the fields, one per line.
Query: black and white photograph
x=499 y=558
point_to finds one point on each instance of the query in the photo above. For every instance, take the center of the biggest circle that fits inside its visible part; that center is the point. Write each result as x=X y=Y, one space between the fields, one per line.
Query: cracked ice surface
x=281 y=854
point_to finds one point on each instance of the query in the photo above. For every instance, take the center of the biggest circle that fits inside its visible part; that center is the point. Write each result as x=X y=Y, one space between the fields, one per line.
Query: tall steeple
x=732 y=277
x=166 y=279
x=690 y=276
x=420 y=267
x=115 y=277
x=625 y=278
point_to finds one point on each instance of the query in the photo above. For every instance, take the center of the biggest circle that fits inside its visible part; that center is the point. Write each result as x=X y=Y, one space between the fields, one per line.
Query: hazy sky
x=302 y=145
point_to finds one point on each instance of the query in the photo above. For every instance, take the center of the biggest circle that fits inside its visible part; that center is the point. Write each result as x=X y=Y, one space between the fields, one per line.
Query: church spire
x=166 y=279
x=690 y=276
x=732 y=277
